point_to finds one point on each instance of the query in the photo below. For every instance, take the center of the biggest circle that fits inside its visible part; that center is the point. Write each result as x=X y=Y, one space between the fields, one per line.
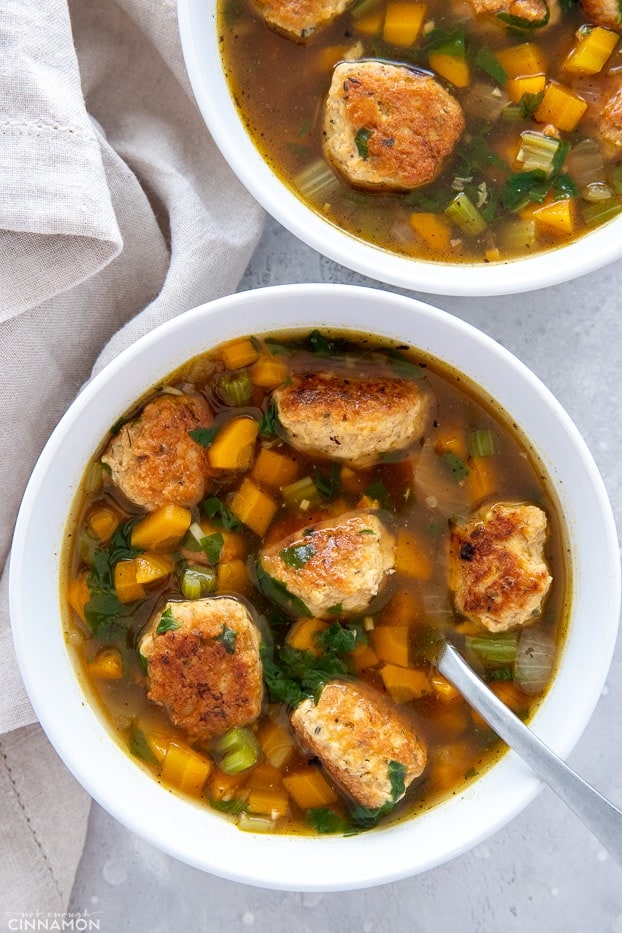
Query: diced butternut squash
x=403 y=22
x=561 y=107
x=452 y=68
x=309 y=788
x=433 y=229
x=78 y=595
x=234 y=446
x=232 y=577
x=364 y=657
x=594 y=46
x=450 y=439
x=161 y=529
x=126 y=585
x=302 y=634
x=269 y=371
x=276 y=743
x=411 y=557
x=508 y=693
x=239 y=353
x=272 y=468
x=482 y=480
x=402 y=609
x=370 y=24
x=103 y=522
x=443 y=688
x=516 y=88
x=558 y=218
x=452 y=719
x=151 y=566
x=158 y=741
x=450 y=764
x=272 y=801
x=391 y=643
x=185 y=769
x=524 y=59
x=223 y=786
x=352 y=482
x=253 y=507
x=107 y=664
x=404 y=684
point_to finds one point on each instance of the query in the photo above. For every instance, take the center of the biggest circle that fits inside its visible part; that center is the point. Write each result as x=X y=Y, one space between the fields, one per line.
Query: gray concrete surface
x=542 y=872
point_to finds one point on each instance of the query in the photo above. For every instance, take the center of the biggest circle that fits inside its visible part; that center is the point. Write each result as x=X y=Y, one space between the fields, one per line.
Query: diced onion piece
x=535 y=654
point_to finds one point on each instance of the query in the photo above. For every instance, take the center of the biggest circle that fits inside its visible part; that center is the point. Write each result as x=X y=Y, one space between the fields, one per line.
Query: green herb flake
x=457 y=466
x=215 y=508
x=326 y=821
x=487 y=61
x=167 y=623
x=228 y=638
x=278 y=593
x=204 y=436
x=297 y=555
x=139 y=747
x=361 y=141
x=212 y=546
x=367 y=817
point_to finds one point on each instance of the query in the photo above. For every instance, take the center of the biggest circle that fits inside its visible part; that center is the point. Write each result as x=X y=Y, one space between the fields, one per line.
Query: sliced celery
x=541 y=152
x=601 y=211
x=493 y=649
x=481 y=443
x=198 y=582
x=235 y=388
x=316 y=182
x=300 y=492
x=237 y=750
x=465 y=215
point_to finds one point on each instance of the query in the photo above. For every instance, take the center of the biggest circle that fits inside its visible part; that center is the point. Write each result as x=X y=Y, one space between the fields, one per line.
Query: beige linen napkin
x=113 y=201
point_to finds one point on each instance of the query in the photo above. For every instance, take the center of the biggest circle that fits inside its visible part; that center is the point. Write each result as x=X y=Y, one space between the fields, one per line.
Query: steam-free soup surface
x=266 y=555
x=455 y=132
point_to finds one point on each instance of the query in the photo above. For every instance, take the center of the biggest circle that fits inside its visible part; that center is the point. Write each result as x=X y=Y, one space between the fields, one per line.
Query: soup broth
x=537 y=165
x=132 y=567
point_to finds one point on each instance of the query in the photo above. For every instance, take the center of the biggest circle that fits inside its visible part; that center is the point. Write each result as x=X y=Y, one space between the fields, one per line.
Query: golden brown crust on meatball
x=388 y=126
x=206 y=672
x=497 y=568
x=530 y=11
x=153 y=459
x=356 y=732
x=335 y=567
x=349 y=417
x=610 y=120
x=603 y=13
x=299 y=19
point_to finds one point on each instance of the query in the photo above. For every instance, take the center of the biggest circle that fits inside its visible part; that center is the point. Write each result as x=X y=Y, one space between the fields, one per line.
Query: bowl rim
x=101 y=766
x=199 y=41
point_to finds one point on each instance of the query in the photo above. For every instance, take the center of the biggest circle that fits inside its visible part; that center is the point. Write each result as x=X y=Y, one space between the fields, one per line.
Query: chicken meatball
x=299 y=19
x=153 y=459
x=603 y=12
x=610 y=119
x=351 y=418
x=535 y=12
x=497 y=568
x=336 y=567
x=389 y=127
x=360 y=736
x=203 y=665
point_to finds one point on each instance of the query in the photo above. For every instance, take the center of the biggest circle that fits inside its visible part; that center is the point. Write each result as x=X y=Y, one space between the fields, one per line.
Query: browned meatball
x=610 y=118
x=153 y=459
x=203 y=665
x=350 y=417
x=335 y=567
x=497 y=568
x=529 y=11
x=603 y=12
x=299 y=19
x=389 y=126
x=357 y=732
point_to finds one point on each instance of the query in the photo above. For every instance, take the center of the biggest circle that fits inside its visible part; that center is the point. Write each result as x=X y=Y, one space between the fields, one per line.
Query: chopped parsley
x=104 y=613
x=366 y=817
x=297 y=555
x=204 y=436
x=167 y=623
x=216 y=508
x=227 y=637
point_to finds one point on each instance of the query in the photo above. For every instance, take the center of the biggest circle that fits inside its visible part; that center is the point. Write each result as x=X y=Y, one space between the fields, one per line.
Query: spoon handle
x=597 y=813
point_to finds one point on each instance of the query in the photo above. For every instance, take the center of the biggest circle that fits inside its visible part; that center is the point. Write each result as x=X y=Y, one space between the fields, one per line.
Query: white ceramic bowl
x=197 y=835
x=199 y=37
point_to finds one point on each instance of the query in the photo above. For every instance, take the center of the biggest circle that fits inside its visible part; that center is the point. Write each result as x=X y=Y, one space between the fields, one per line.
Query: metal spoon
x=601 y=817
